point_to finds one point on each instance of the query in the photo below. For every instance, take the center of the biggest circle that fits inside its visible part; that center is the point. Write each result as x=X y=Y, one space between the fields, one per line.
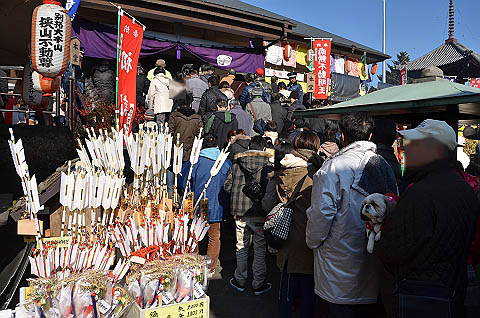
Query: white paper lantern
x=30 y=95
x=50 y=41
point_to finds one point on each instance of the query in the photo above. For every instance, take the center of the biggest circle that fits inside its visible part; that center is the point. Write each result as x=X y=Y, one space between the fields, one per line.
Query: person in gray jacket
x=258 y=109
x=347 y=277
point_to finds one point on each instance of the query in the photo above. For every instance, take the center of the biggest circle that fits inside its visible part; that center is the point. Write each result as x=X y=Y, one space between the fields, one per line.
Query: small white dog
x=374 y=208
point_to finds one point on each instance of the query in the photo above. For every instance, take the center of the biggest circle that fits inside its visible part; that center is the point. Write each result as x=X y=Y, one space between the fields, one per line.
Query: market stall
x=117 y=249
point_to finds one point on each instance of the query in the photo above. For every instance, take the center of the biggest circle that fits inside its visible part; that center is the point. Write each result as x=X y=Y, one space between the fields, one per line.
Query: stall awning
x=419 y=98
x=100 y=41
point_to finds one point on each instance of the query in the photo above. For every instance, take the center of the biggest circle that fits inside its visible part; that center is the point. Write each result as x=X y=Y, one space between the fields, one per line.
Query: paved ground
x=227 y=302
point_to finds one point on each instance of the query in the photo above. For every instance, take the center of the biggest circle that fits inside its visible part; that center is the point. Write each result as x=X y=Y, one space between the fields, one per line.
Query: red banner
x=403 y=76
x=131 y=36
x=475 y=82
x=321 y=52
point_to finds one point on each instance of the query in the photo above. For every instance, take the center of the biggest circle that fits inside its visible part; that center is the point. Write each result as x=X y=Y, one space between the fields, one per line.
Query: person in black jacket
x=279 y=114
x=384 y=135
x=221 y=123
x=426 y=236
x=142 y=86
x=208 y=103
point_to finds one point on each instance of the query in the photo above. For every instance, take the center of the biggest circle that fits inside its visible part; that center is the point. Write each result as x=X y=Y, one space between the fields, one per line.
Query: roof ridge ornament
x=451 y=23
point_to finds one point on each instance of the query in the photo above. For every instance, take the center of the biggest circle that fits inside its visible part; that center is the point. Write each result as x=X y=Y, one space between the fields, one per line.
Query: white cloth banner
x=269 y=72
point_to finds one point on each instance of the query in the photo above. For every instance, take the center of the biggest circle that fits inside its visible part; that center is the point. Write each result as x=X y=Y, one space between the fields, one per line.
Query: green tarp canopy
x=421 y=98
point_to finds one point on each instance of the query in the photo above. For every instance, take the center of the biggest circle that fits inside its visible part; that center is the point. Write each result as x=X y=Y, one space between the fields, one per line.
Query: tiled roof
x=445 y=54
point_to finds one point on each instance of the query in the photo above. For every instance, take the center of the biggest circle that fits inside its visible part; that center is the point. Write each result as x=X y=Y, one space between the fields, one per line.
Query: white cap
x=436 y=129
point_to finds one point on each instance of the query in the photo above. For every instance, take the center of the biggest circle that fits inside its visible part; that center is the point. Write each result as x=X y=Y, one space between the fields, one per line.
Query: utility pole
x=384 y=76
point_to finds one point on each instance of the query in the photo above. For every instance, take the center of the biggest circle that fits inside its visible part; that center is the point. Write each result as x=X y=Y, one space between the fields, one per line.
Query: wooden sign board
x=204 y=208
x=75 y=51
x=188 y=205
x=310 y=82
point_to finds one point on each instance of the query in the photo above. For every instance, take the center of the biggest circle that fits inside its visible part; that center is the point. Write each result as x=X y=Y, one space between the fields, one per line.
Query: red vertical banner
x=403 y=76
x=131 y=36
x=475 y=82
x=321 y=62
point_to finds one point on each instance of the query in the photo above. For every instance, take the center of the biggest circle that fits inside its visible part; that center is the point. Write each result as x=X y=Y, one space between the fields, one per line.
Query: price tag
x=198 y=291
x=103 y=307
x=167 y=297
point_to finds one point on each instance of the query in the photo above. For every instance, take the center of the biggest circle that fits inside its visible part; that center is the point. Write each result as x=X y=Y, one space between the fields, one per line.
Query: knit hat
x=160 y=63
x=149 y=114
x=260 y=72
x=294 y=95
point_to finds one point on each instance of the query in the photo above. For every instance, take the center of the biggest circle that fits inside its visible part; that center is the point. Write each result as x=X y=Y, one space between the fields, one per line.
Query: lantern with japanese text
x=30 y=95
x=50 y=41
x=287 y=51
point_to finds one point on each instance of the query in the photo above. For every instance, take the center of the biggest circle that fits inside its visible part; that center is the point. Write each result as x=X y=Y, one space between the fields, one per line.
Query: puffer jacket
x=258 y=165
x=345 y=273
x=425 y=236
x=158 y=94
x=295 y=252
x=220 y=124
x=208 y=102
x=188 y=124
x=217 y=199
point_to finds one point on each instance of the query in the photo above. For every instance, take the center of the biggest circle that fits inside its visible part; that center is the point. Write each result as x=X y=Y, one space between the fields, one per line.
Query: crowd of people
x=323 y=170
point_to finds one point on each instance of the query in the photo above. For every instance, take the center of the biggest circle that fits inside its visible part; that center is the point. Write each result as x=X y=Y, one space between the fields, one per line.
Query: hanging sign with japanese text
x=30 y=95
x=75 y=51
x=321 y=49
x=50 y=41
x=131 y=36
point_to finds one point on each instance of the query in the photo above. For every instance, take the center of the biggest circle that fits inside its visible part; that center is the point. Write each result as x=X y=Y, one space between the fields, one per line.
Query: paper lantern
x=44 y=85
x=50 y=41
x=287 y=51
x=30 y=96
x=374 y=68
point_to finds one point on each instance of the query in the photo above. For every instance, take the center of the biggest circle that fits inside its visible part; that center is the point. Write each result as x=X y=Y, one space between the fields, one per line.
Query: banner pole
x=117 y=109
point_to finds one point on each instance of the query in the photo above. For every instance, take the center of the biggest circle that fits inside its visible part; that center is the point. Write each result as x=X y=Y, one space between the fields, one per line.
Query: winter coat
x=296 y=87
x=239 y=144
x=158 y=94
x=238 y=87
x=345 y=273
x=217 y=199
x=104 y=83
x=229 y=79
x=295 y=252
x=196 y=87
x=251 y=91
x=208 y=102
x=261 y=109
x=151 y=74
x=425 y=236
x=389 y=155
x=220 y=124
x=327 y=149
x=279 y=115
x=244 y=119
x=258 y=165
x=297 y=105
x=188 y=124
x=143 y=84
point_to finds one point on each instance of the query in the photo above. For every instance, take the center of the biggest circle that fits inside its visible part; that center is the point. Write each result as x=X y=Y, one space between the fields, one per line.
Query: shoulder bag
x=277 y=222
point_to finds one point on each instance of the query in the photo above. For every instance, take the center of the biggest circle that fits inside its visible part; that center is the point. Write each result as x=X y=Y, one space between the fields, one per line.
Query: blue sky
x=415 y=26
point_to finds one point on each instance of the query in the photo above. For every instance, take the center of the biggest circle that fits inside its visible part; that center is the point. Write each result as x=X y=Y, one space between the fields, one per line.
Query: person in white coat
x=347 y=277
x=158 y=96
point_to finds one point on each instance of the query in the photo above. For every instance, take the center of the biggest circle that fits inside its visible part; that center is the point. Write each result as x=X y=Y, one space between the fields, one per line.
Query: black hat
x=294 y=95
x=292 y=74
